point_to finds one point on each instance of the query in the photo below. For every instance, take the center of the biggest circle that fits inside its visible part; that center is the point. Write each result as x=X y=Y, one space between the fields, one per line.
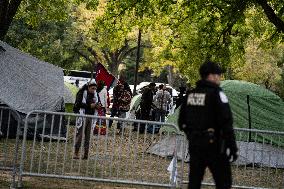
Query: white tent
x=250 y=153
x=29 y=84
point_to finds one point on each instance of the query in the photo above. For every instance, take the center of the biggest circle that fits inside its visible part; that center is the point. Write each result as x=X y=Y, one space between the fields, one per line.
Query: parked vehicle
x=72 y=80
x=73 y=76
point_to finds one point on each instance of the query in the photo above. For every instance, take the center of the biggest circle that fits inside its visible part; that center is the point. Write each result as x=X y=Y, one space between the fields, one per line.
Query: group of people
x=154 y=105
x=205 y=117
x=93 y=99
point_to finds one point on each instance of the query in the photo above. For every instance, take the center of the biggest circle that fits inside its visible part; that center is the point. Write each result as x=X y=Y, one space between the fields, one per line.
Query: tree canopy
x=246 y=37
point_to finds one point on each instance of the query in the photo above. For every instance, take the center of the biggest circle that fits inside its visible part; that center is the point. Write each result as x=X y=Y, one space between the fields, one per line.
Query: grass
x=117 y=157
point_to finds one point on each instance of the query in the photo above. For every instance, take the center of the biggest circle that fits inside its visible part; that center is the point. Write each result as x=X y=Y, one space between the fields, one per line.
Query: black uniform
x=146 y=103
x=145 y=106
x=79 y=104
x=206 y=118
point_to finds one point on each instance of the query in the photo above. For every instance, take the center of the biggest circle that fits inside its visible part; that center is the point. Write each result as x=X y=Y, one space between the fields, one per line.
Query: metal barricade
x=260 y=163
x=9 y=141
x=125 y=156
x=141 y=158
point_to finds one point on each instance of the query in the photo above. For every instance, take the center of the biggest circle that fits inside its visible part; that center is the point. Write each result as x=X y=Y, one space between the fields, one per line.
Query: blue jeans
x=121 y=114
x=160 y=115
x=113 y=113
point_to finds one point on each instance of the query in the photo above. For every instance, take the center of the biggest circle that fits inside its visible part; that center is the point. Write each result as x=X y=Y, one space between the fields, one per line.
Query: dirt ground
x=44 y=183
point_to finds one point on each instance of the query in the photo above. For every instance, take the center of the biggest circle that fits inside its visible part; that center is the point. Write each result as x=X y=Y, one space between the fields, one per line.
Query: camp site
x=141 y=94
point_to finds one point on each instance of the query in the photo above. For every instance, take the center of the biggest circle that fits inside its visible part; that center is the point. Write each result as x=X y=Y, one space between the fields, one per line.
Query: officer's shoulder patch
x=223 y=97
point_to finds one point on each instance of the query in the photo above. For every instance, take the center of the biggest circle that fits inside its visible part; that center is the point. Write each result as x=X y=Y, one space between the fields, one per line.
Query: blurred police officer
x=206 y=119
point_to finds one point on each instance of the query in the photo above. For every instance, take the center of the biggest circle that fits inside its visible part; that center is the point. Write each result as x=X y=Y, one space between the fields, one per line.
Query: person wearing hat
x=206 y=118
x=182 y=92
x=87 y=102
x=146 y=104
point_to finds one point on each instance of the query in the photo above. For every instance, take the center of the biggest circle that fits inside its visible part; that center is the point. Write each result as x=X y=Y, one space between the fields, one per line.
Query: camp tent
x=250 y=153
x=29 y=84
x=69 y=97
x=134 y=106
x=253 y=107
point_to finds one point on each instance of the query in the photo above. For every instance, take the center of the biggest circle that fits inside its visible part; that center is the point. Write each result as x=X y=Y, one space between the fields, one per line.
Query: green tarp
x=266 y=108
x=72 y=89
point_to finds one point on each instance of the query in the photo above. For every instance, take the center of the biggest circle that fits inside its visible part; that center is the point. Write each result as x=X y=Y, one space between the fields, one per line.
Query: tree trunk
x=7 y=13
x=113 y=68
x=114 y=62
x=170 y=76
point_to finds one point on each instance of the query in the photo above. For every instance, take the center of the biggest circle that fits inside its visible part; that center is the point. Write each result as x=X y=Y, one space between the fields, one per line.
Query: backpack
x=124 y=100
x=76 y=106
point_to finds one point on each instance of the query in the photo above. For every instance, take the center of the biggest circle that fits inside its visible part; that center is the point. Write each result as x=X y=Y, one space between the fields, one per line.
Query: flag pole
x=93 y=70
x=137 y=60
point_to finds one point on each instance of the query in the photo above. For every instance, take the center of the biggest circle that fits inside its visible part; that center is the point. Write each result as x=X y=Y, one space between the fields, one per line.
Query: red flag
x=104 y=75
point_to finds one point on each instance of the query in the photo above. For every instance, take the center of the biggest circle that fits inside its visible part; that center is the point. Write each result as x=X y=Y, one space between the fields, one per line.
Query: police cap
x=209 y=68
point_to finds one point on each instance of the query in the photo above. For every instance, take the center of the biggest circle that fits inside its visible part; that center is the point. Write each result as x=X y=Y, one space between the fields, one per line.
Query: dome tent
x=71 y=91
x=255 y=107
x=266 y=111
x=265 y=108
x=28 y=83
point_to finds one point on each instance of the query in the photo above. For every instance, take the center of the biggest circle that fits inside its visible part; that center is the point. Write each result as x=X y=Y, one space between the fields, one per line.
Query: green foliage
x=261 y=65
x=34 y=12
x=45 y=41
x=175 y=33
x=48 y=33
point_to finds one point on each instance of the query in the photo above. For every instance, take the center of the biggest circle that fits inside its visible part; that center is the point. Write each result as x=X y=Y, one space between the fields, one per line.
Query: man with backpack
x=123 y=102
x=116 y=95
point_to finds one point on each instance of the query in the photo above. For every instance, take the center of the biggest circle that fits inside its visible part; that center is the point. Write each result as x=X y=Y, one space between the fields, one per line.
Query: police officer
x=206 y=119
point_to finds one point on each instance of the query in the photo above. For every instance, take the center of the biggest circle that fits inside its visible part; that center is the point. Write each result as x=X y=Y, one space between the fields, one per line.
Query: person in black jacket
x=146 y=104
x=87 y=102
x=206 y=119
x=182 y=92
